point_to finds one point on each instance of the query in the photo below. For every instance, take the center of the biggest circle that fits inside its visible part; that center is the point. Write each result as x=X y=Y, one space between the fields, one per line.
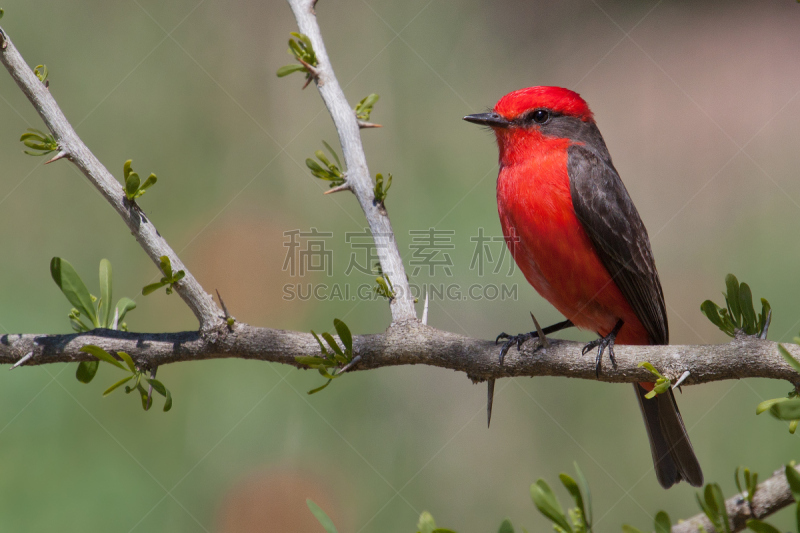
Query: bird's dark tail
x=673 y=455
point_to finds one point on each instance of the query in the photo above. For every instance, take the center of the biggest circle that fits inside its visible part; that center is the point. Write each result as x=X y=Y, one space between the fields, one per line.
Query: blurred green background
x=697 y=102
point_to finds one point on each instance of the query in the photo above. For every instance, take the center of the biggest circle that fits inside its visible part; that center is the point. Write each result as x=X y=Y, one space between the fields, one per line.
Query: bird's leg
x=522 y=337
x=518 y=340
x=601 y=344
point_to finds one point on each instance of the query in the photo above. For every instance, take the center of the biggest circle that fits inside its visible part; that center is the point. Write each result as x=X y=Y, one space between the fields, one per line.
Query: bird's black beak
x=493 y=120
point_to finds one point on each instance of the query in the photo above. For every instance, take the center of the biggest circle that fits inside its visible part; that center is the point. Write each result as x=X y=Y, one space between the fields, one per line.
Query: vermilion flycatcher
x=576 y=235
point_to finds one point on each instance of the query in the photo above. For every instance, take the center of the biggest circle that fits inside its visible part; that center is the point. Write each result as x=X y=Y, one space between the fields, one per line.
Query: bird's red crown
x=556 y=98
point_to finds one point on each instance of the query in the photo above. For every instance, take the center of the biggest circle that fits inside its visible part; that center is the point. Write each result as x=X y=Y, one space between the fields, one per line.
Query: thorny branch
x=407 y=341
x=72 y=147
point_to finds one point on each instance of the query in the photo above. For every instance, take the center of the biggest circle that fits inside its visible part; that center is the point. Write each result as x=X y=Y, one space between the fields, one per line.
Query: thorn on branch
x=60 y=155
x=349 y=366
x=542 y=338
x=681 y=379
x=229 y=320
x=22 y=360
x=366 y=125
x=343 y=187
x=425 y=309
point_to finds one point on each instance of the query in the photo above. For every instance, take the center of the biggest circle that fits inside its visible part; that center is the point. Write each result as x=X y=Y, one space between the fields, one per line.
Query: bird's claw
x=601 y=344
x=512 y=340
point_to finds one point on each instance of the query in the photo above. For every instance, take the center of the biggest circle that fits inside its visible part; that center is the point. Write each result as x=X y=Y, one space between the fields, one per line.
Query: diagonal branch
x=771 y=495
x=358 y=176
x=73 y=148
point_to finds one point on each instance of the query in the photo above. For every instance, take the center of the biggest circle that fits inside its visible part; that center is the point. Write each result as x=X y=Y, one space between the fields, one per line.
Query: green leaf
x=344 y=334
x=101 y=354
x=73 y=288
x=712 y=312
x=314 y=391
x=548 y=505
x=794 y=363
x=289 y=69
x=587 y=494
x=765 y=405
x=662 y=523
x=574 y=491
x=761 y=527
x=326 y=522
x=119 y=383
x=153 y=287
x=132 y=185
x=746 y=307
x=86 y=371
x=126 y=169
x=794 y=481
x=123 y=306
x=157 y=386
x=333 y=153
x=166 y=265
x=732 y=298
x=426 y=524
x=332 y=343
x=128 y=361
x=104 y=308
x=143 y=395
x=715 y=508
x=506 y=527
x=321 y=346
x=168 y=401
x=149 y=182
x=788 y=410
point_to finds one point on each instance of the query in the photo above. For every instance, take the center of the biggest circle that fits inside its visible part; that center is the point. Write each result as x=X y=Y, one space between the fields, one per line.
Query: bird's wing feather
x=608 y=216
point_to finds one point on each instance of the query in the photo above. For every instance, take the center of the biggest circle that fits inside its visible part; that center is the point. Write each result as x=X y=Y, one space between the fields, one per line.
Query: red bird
x=574 y=232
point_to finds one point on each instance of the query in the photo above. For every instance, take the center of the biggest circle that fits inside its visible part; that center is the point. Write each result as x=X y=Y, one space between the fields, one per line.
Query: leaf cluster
x=97 y=311
x=788 y=407
x=364 y=108
x=330 y=362
x=43 y=143
x=301 y=48
x=713 y=505
x=380 y=190
x=170 y=277
x=577 y=519
x=662 y=384
x=793 y=478
x=750 y=485
x=384 y=285
x=329 y=172
x=135 y=374
x=739 y=314
x=134 y=187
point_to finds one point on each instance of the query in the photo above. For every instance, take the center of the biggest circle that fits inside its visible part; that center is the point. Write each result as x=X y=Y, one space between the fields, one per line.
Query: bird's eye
x=540 y=116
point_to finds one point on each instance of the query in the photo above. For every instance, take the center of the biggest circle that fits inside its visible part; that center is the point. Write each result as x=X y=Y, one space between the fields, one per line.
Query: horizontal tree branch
x=413 y=343
x=771 y=495
x=199 y=301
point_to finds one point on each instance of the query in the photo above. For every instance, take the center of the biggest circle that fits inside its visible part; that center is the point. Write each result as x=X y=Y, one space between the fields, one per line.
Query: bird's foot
x=519 y=340
x=601 y=344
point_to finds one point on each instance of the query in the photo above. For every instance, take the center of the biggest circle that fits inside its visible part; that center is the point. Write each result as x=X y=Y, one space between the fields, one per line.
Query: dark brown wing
x=605 y=209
